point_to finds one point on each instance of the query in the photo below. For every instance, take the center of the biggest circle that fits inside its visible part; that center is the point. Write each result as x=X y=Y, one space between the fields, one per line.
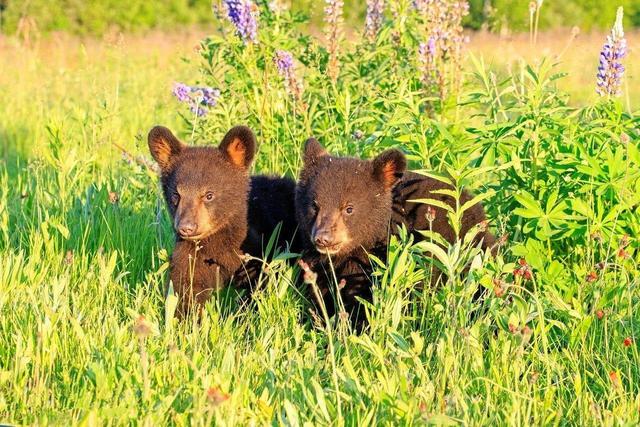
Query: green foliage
x=80 y=266
x=586 y=14
x=98 y=16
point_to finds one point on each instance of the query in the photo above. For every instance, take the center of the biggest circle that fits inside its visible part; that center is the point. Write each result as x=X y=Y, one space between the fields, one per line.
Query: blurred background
x=97 y=17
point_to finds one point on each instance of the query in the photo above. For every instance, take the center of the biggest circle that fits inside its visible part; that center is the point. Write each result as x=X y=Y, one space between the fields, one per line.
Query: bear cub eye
x=208 y=196
x=175 y=198
x=349 y=210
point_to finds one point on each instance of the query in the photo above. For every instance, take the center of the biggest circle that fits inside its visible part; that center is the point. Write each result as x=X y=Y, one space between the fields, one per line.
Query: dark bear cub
x=219 y=213
x=347 y=207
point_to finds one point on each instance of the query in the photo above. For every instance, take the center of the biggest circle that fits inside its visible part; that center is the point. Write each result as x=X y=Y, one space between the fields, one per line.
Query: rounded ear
x=312 y=150
x=239 y=146
x=164 y=147
x=389 y=167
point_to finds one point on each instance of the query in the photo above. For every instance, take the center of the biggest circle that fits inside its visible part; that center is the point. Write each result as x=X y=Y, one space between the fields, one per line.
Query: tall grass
x=84 y=240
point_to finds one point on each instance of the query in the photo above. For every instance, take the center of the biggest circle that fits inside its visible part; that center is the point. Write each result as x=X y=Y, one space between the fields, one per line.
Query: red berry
x=627 y=342
x=600 y=314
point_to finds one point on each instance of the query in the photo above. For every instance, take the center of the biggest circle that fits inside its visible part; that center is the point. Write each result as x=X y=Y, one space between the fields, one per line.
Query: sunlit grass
x=78 y=269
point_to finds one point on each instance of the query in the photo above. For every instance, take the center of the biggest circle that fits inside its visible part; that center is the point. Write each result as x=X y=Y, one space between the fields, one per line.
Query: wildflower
x=427 y=56
x=113 y=197
x=309 y=277
x=244 y=15
x=624 y=138
x=622 y=253
x=524 y=270
x=181 y=91
x=199 y=98
x=142 y=328
x=627 y=342
x=286 y=69
x=610 y=68
x=333 y=31
x=592 y=277
x=215 y=396
x=430 y=215
x=373 y=22
x=613 y=376
x=599 y=314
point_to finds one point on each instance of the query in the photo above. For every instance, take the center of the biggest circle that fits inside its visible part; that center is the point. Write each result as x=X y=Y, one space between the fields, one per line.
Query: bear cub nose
x=187 y=229
x=323 y=240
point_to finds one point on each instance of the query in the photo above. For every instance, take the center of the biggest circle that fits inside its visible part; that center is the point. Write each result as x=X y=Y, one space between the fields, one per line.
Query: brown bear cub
x=219 y=213
x=346 y=208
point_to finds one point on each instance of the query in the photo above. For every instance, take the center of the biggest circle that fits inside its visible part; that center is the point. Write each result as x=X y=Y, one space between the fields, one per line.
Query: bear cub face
x=205 y=188
x=344 y=203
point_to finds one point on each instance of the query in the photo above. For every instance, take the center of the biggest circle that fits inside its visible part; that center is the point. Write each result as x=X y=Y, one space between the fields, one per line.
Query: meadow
x=86 y=330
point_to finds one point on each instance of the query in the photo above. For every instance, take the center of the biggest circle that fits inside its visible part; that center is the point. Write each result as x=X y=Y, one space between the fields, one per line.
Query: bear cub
x=346 y=209
x=219 y=212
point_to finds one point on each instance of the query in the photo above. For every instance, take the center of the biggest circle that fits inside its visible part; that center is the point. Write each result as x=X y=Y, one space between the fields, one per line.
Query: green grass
x=77 y=271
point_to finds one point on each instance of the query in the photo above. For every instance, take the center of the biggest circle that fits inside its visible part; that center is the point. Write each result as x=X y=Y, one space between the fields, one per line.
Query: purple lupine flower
x=199 y=98
x=181 y=91
x=284 y=62
x=210 y=96
x=610 y=68
x=333 y=20
x=286 y=69
x=198 y=110
x=373 y=22
x=244 y=15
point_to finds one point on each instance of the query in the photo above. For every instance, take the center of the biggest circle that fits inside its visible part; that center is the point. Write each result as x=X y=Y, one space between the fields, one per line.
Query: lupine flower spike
x=286 y=68
x=243 y=14
x=200 y=99
x=610 y=69
x=373 y=22
x=333 y=31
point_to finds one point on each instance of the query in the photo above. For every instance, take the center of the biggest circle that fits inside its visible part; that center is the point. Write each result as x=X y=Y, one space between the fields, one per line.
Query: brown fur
x=378 y=191
x=219 y=213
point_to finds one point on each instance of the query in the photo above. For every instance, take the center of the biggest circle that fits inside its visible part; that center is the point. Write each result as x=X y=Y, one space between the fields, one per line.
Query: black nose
x=187 y=229
x=323 y=240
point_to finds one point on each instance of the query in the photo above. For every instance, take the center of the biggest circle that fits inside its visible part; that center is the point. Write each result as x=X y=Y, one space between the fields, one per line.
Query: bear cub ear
x=312 y=151
x=389 y=167
x=239 y=146
x=164 y=147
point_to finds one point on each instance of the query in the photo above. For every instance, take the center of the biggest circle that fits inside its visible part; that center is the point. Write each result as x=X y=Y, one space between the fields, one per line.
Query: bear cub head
x=344 y=203
x=205 y=188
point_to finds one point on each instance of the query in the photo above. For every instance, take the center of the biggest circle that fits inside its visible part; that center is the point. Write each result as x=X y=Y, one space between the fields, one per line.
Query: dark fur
x=378 y=190
x=238 y=220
